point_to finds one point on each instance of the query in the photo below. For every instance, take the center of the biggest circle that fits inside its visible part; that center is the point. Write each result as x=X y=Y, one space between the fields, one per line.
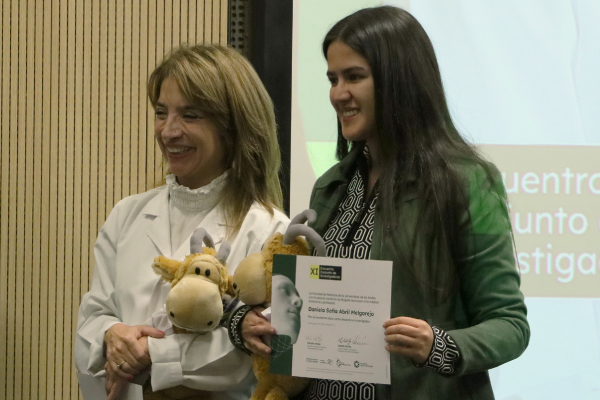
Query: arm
x=98 y=311
x=102 y=340
x=498 y=330
x=210 y=361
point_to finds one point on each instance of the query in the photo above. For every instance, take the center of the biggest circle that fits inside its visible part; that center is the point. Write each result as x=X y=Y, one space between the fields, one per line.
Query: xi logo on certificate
x=329 y=272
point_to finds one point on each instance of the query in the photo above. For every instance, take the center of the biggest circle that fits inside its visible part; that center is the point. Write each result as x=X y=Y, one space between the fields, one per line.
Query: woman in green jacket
x=408 y=188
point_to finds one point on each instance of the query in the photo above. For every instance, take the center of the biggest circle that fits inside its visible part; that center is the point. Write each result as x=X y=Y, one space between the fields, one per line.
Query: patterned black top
x=350 y=235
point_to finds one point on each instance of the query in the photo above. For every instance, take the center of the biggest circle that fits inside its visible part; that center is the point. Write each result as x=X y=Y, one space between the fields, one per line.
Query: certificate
x=329 y=313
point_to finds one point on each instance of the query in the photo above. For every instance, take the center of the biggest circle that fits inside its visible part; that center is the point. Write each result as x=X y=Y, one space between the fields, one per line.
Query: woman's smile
x=187 y=138
x=352 y=92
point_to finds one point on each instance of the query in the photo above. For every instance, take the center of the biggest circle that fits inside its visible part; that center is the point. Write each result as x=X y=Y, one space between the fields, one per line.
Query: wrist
x=235 y=328
x=444 y=356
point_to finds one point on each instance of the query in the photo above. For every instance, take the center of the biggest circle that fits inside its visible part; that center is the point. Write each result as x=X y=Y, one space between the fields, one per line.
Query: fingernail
x=162 y=332
x=130 y=378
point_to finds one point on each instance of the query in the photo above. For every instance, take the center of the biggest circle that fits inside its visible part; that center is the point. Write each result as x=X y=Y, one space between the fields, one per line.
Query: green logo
x=329 y=272
x=314 y=271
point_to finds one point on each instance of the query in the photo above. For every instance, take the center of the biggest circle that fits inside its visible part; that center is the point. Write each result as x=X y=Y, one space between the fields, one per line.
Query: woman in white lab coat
x=216 y=129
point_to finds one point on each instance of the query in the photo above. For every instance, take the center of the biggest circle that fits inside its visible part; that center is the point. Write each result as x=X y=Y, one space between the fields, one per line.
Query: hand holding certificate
x=329 y=318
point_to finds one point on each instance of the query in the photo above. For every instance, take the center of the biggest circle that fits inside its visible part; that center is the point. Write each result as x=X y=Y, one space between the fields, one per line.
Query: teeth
x=349 y=113
x=177 y=149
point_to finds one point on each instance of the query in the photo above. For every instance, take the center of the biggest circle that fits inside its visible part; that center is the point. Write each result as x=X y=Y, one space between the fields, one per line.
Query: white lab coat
x=126 y=289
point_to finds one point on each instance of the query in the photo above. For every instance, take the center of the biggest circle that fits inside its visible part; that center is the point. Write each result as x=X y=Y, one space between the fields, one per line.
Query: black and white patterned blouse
x=350 y=235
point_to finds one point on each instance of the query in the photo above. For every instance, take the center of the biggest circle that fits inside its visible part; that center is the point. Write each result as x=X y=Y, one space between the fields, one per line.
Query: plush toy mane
x=274 y=245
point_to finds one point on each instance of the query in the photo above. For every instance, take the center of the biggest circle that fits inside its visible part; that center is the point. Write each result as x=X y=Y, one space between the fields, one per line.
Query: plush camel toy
x=198 y=283
x=252 y=282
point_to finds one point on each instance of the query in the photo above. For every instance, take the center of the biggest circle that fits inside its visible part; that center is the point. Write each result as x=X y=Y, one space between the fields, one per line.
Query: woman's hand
x=127 y=351
x=410 y=337
x=113 y=383
x=254 y=326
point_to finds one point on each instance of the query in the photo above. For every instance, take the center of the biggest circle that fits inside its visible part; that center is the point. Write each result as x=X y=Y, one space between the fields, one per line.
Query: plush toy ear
x=165 y=267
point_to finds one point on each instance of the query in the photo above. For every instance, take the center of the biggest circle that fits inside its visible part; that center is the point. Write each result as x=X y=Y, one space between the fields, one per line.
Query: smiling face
x=289 y=305
x=352 y=92
x=188 y=140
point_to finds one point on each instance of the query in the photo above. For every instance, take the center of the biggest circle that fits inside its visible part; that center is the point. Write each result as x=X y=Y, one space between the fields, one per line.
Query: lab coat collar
x=159 y=231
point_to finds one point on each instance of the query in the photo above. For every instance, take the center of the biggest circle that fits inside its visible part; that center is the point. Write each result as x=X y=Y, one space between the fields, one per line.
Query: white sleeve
x=210 y=361
x=207 y=362
x=98 y=311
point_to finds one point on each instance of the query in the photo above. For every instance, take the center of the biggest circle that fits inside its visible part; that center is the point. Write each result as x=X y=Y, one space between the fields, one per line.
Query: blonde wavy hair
x=224 y=86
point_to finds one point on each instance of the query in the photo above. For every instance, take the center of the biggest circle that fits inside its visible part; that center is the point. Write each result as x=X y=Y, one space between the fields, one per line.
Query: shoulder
x=258 y=225
x=258 y=218
x=488 y=203
x=133 y=205
x=333 y=174
x=140 y=198
x=475 y=172
x=340 y=172
x=480 y=178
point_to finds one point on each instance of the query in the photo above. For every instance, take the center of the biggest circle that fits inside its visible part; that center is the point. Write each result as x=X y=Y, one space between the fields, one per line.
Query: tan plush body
x=252 y=284
x=274 y=387
x=198 y=283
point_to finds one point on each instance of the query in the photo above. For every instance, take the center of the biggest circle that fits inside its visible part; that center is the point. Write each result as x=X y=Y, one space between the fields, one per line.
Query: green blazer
x=485 y=313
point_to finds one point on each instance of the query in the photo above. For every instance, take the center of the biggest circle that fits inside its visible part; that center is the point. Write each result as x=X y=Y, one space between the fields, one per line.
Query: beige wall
x=76 y=136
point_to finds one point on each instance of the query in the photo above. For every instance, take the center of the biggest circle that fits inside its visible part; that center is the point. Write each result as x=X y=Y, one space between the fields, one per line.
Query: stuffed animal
x=198 y=283
x=252 y=282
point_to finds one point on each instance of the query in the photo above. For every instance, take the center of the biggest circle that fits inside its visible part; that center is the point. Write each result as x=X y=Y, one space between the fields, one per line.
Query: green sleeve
x=494 y=305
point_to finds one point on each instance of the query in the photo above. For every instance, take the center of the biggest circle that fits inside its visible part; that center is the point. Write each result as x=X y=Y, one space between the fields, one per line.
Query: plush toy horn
x=200 y=237
x=223 y=252
x=306 y=215
x=297 y=228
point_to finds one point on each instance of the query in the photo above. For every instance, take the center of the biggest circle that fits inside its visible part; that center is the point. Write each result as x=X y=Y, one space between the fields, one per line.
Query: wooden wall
x=76 y=136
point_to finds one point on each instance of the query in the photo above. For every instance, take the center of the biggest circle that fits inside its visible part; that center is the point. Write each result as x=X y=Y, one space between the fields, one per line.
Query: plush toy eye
x=209 y=323
x=197 y=271
x=207 y=272
x=235 y=285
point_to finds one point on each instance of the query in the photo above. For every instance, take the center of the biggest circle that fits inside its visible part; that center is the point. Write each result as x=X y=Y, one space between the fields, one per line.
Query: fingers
x=126 y=343
x=130 y=368
x=261 y=329
x=114 y=388
x=410 y=337
x=114 y=373
x=146 y=330
x=139 y=356
x=254 y=327
x=405 y=330
x=258 y=347
x=255 y=324
x=129 y=364
x=403 y=321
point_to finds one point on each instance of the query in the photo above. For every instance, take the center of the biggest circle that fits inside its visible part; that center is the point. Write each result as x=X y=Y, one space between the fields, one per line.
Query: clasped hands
x=127 y=354
x=407 y=336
